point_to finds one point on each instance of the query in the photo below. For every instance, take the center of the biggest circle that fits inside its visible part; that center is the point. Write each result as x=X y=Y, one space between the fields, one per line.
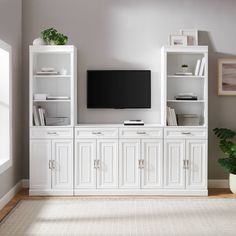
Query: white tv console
x=113 y=159
x=119 y=160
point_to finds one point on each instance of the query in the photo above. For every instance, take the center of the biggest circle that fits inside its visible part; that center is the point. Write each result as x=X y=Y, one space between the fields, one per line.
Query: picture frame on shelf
x=192 y=36
x=227 y=76
x=178 y=40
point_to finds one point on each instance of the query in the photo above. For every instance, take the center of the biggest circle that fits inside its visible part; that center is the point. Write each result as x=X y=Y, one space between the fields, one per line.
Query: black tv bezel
x=124 y=107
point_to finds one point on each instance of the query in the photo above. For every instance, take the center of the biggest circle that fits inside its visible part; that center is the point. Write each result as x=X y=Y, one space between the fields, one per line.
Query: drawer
x=51 y=133
x=140 y=132
x=198 y=133
x=96 y=133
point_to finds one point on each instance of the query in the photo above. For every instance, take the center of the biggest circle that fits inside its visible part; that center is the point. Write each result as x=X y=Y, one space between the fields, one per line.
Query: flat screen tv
x=119 y=89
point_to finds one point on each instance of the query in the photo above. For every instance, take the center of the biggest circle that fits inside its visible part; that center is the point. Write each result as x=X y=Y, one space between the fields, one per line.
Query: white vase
x=232 y=183
x=38 y=41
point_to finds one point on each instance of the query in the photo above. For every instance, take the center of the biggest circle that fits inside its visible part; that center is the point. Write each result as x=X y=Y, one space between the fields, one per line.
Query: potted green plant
x=53 y=37
x=228 y=146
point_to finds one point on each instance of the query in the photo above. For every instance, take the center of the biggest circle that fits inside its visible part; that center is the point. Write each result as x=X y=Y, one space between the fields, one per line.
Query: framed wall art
x=227 y=76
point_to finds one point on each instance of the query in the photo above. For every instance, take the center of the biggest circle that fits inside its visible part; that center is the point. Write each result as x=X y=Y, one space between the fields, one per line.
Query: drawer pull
x=97 y=133
x=186 y=132
x=52 y=133
x=141 y=132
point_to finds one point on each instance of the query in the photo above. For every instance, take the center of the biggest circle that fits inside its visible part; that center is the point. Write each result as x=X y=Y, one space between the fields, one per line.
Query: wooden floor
x=24 y=195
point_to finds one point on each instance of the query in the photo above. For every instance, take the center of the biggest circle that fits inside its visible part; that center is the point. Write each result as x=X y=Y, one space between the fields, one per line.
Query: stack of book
x=39 y=116
x=47 y=71
x=200 y=67
x=171 y=117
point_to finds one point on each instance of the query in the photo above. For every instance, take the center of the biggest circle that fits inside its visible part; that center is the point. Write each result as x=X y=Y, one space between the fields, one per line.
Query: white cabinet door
x=107 y=159
x=196 y=157
x=152 y=166
x=62 y=164
x=85 y=156
x=129 y=156
x=40 y=157
x=174 y=158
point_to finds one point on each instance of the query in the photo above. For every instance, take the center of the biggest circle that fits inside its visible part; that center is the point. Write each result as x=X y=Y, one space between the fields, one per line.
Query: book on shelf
x=197 y=67
x=171 y=117
x=39 y=116
x=203 y=63
x=36 y=116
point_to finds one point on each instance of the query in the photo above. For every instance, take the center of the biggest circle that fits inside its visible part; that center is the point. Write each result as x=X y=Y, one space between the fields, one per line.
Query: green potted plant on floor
x=228 y=146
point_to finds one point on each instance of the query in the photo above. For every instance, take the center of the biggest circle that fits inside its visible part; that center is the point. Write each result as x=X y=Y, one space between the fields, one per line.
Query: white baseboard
x=8 y=196
x=25 y=183
x=212 y=183
x=218 y=183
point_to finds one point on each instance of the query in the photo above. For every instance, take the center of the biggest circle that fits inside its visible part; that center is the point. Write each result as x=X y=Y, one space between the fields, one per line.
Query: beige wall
x=10 y=32
x=128 y=34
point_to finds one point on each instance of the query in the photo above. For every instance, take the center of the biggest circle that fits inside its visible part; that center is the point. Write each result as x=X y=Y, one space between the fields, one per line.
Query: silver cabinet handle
x=97 y=133
x=186 y=132
x=187 y=164
x=95 y=164
x=142 y=164
x=50 y=164
x=184 y=164
x=139 y=164
x=98 y=164
x=52 y=133
x=141 y=132
x=53 y=165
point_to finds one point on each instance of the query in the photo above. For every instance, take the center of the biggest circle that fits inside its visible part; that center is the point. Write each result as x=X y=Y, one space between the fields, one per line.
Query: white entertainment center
x=113 y=159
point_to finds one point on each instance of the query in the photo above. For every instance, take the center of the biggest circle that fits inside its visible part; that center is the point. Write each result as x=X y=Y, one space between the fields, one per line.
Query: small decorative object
x=227 y=77
x=184 y=68
x=39 y=41
x=229 y=148
x=40 y=96
x=178 y=40
x=63 y=71
x=53 y=37
x=192 y=36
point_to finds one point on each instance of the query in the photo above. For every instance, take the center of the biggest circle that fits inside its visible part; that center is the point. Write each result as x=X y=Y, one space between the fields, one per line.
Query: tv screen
x=119 y=89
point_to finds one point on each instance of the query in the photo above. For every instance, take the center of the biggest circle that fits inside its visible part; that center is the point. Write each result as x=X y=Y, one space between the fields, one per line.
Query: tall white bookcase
x=185 y=147
x=172 y=59
x=52 y=147
x=59 y=58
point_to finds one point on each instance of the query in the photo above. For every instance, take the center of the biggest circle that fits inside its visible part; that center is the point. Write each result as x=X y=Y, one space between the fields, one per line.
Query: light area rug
x=127 y=216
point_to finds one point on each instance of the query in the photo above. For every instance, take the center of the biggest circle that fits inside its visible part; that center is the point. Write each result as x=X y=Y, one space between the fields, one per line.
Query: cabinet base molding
x=50 y=192
x=142 y=192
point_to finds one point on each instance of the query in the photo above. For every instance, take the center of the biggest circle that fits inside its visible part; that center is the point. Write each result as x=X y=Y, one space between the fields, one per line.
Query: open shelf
x=176 y=84
x=56 y=85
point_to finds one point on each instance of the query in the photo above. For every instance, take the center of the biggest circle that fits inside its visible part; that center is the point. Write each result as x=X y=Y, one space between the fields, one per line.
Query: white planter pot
x=38 y=41
x=232 y=183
